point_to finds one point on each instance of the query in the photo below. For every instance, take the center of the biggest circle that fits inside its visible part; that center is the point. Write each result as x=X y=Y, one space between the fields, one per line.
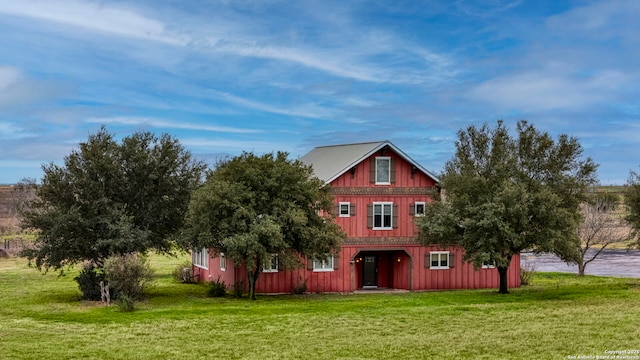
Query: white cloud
x=93 y=16
x=159 y=123
x=308 y=110
x=8 y=76
x=548 y=90
x=16 y=89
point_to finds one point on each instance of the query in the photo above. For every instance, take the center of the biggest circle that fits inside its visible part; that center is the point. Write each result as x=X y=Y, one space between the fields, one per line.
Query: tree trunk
x=504 y=280
x=581 y=266
x=252 y=275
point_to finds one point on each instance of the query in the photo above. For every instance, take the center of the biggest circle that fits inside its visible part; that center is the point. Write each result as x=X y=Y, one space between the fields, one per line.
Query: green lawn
x=558 y=316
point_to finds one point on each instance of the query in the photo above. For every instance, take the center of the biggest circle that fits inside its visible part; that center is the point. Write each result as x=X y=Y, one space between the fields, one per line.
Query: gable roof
x=330 y=162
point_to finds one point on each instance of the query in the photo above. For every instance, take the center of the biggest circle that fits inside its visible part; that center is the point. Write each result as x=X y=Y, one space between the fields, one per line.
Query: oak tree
x=111 y=198
x=503 y=194
x=253 y=208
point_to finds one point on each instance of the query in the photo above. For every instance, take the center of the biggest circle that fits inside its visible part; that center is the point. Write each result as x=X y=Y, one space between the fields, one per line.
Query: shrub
x=89 y=282
x=217 y=288
x=300 y=288
x=183 y=272
x=526 y=274
x=238 y=288
x=125 y=303
x=128 y=275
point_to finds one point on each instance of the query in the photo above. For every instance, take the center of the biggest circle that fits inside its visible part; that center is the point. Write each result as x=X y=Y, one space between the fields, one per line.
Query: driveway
x=620 y=263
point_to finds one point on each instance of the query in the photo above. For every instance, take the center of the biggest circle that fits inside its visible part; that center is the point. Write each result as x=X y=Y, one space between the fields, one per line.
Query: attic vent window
x=383 y=170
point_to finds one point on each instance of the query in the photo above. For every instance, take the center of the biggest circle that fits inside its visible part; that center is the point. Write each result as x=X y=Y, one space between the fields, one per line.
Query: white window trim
x=383 y=204
x=424 y=207
x=439 y=267
x=340 y=204
x=223 y=262
x=388 y=175
x=271 y=270
x=323 y=263
x=200 y=258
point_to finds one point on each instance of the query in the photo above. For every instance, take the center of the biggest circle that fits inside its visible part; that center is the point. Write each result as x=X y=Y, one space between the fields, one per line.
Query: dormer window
x=383 y=170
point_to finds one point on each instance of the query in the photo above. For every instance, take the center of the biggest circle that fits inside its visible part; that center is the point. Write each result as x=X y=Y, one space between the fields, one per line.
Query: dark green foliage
x=632 y=201
x=505 y=194
x=217 y=288
x=183 y=273
x=111 y=198
x=129 y=275
x=252 y=206
x=126 y=303
x=89 y=282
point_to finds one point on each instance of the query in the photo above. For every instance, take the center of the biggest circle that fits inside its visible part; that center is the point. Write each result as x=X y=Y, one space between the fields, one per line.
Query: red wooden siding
x=409 y=273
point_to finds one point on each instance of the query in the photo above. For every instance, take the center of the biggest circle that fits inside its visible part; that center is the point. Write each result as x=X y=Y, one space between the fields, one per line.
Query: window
x=344 y=209
x=223 y=262
x=419 y=210
x=439 y=260
x=200 y=258
x=383 y=170
x=382 y=216
x=271 y=265
x=325 y=264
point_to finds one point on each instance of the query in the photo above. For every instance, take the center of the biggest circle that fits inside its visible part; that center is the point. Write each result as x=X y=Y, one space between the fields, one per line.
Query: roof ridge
x=360 y=143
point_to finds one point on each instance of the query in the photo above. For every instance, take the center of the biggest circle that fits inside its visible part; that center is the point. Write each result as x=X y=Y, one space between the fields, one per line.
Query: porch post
x=410 y=273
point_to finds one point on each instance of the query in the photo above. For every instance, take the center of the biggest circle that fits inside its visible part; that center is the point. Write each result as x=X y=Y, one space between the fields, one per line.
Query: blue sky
x=227 y=76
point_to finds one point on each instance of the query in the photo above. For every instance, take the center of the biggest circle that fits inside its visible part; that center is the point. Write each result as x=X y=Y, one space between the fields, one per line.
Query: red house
x=379 y=191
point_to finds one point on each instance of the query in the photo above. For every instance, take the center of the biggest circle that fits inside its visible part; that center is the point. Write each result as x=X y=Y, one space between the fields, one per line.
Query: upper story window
x=345 y=209
x=382 y=216
x=383 y=170
x=272 y=264
x=419 y=208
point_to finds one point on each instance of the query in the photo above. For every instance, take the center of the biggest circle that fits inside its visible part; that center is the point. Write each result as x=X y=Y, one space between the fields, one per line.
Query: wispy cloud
x=159 y=123
x=93 y=16
x=307 y=110
x=539 y=90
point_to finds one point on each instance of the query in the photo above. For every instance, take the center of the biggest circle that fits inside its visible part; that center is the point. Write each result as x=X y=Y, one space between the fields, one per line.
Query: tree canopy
x=111 y=198
x=505 y=194
x=255 y=207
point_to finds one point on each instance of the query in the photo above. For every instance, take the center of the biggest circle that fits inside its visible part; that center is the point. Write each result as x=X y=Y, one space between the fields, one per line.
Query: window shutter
x=370 y=216
x=394 y=216
x=372 y=170
x=392 y=173
x=309 y=263
x=452 y=260
x=337 y=209
x=427 y=261
x=352 y=209
x=336 y=261
x=412 y=209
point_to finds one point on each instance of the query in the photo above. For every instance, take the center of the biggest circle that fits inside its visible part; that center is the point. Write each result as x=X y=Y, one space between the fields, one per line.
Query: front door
x=370 y=271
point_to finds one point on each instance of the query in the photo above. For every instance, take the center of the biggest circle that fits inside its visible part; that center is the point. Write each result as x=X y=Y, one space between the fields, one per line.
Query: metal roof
x=330 y=162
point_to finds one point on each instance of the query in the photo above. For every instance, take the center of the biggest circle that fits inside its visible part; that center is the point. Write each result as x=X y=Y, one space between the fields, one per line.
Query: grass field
x=558 y=316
